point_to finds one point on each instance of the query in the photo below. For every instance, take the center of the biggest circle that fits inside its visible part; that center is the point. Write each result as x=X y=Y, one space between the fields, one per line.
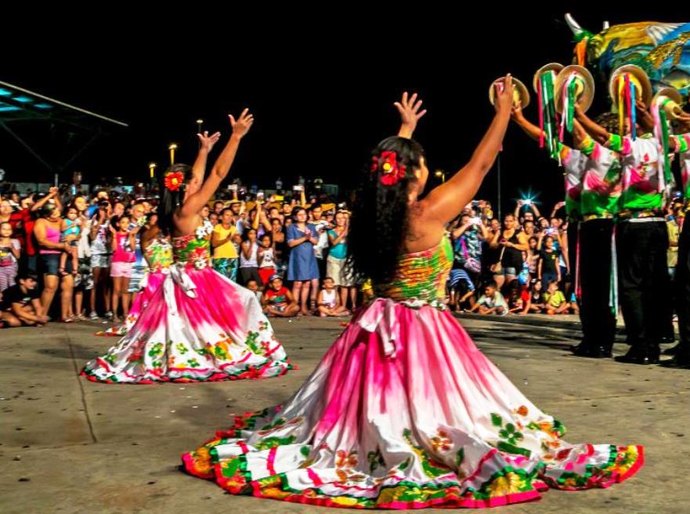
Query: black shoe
x=680 y=362
x=671 y=351
x=638 y=355
x=581 y=350
x=604 y=352
x=596 y=352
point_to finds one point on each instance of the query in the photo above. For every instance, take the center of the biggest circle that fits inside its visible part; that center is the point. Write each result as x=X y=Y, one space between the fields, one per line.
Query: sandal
x=68 y=320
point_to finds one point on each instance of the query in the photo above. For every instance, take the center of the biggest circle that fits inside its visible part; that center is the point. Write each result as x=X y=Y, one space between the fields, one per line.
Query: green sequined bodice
x=421 y=275
x=159 y=254
x=191 y=250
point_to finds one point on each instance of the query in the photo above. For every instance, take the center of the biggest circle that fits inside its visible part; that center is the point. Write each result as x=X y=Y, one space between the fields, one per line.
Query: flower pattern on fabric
x=196 y=325
x=368 y=431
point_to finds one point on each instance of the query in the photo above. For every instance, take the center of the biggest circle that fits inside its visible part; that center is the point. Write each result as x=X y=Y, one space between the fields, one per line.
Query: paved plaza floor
x=69 y=445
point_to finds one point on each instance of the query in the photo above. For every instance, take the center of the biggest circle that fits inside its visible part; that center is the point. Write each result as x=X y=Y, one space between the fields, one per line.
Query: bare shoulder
x=423 y=231
x=185 y=225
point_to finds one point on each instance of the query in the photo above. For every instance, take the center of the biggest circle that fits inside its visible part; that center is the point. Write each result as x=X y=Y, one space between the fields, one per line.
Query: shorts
x=100 y=260
x=339 y=272
x=50 y=264
x=506 y=271
x=121 y=269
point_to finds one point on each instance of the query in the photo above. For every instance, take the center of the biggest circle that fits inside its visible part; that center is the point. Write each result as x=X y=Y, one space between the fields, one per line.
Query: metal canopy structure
x=23 y=112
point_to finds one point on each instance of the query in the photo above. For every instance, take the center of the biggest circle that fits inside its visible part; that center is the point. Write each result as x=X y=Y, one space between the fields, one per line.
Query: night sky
x=321 y=93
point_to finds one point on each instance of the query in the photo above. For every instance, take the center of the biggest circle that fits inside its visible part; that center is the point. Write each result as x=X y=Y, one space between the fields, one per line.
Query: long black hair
x=171 y=200
x=379 y=217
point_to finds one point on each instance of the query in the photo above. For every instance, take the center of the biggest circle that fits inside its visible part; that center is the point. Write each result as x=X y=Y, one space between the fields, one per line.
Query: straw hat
x=637 y=77
x=552 y=66
x=585 y=86
x=520 y=93
x=670 y=98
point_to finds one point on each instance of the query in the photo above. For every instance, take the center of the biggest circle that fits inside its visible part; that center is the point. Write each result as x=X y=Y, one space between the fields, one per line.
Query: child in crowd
x=461 y=290
x=548 y=267
x=123 y=245
x=536 y=297
x=518 y=298
x=278 y=300
x=69 y=233
x=329 y=300
x=253 y=286
x=491 y=302
x=267 y=266
x=555 y=300
x=10 y=251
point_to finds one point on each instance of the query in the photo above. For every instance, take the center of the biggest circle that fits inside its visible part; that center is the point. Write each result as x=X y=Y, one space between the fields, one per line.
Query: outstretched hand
x=207 y=141
x=409 y=109
x=241 y=125
x=504 y=95
x=516 y=111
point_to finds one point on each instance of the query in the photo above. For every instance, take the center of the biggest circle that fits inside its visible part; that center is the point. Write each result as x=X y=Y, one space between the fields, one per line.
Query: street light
x=199 y=122
x=440 y=174
x=172 y=148
x=152 y=166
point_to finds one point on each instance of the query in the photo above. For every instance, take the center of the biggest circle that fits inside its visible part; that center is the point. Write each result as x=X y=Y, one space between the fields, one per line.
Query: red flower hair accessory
x=392 y=171
x=173 y=180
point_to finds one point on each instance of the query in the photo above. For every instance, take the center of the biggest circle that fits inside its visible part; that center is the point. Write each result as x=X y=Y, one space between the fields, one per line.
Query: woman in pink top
x=47 y=233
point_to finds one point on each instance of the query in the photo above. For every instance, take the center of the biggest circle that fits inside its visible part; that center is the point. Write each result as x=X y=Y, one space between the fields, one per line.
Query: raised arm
x=206 y=143
x=527 y=126
x=52 y=194
x=599 y=133
x=196 y=201
x=446 y=201
x=409 y=114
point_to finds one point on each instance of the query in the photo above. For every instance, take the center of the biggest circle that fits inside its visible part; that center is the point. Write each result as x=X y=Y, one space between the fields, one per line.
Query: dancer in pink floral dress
x=404 y=411
x=197 y=325
x=159 y=257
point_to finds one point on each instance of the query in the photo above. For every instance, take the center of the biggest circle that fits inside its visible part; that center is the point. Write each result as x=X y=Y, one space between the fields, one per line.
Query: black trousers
x=571 y=235
x=682 y=286
x=596 y=315
x=643 y=281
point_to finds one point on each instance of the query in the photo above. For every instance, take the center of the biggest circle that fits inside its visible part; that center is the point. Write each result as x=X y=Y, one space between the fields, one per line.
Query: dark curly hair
x=379 y=216
x=171 y=200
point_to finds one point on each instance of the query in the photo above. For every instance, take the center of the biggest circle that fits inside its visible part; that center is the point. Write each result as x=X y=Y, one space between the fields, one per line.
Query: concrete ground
x=69 y=445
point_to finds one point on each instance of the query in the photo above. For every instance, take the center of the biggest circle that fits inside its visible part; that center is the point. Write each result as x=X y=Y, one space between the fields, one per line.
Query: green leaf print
x=276 y=423
x=375 y=460
x=459 y=457
x=496 y=420
x=271 y=442
x=431 y=467
x=193 y=363
x=156 y=350
x=251 y=341
x=181 y=348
